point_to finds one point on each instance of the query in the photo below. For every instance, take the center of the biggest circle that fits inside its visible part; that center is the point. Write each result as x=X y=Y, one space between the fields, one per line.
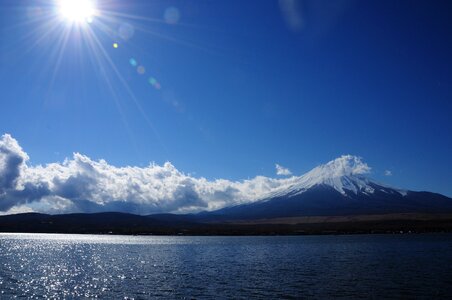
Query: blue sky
x=243 y=85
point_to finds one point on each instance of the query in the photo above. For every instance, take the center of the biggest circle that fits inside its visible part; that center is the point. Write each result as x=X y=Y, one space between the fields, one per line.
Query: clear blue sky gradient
x=240 y=90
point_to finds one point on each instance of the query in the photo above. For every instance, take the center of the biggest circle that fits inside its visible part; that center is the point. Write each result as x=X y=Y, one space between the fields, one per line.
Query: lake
x=183 y=267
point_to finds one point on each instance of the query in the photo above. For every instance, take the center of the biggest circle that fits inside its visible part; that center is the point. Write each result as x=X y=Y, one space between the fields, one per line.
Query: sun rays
x=90 y=32
x=116 y=43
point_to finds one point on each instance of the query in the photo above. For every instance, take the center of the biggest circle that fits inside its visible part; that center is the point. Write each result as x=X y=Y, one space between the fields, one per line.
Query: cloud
x=81 y=184
x=13 y=191
x=280 y=170
x=344 y=165
x=388 y=173
x=20 y=209
x=12 y=160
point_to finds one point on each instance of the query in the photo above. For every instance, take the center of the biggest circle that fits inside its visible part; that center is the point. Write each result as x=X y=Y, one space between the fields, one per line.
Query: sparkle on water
x=56 y=266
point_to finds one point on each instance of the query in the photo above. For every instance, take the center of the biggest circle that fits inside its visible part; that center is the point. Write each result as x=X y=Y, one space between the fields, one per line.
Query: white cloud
x=388 y=173
x=344 y=165
x=80 y=184
x=280 y=170
x=20 y=209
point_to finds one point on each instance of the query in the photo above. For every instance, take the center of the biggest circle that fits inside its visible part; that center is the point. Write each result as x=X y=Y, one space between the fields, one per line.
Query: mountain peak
x=342 y=173
x=346 y=165
x=345 y=174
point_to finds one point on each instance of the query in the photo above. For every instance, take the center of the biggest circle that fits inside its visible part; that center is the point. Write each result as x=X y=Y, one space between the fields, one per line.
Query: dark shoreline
x=127 y=224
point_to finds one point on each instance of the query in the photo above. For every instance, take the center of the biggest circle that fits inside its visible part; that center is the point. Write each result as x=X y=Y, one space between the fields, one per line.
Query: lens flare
x=126 y=31
x=87 y=30
x=152 y=81
x=172 y=15
x=141 y=70
x=133 y=62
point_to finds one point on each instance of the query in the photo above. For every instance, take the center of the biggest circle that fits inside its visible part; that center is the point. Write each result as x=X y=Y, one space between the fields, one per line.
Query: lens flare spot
x=115 y=45
x=141 y=70
x=152 y=80
x=126 y=31
x=171 y=15
x=133 y=62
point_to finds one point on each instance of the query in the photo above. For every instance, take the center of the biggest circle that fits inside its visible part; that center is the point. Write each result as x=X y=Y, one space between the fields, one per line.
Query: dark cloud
x=12 y=159
x=30 y=193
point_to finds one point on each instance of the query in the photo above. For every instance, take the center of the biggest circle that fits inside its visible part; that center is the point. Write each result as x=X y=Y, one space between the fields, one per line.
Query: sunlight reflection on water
x=112 y=267
x=56 y=238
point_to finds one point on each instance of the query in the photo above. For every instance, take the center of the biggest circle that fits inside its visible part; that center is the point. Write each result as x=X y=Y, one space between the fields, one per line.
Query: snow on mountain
x=345 y=174
x=337 y=188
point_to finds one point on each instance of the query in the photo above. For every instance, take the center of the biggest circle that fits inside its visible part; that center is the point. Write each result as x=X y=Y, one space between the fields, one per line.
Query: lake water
x=121 y=267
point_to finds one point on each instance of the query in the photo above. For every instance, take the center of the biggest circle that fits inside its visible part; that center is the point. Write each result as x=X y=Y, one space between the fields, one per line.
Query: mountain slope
x=337 y=188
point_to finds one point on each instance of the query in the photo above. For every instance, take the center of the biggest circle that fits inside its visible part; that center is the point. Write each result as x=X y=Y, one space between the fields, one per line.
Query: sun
x=76 y=11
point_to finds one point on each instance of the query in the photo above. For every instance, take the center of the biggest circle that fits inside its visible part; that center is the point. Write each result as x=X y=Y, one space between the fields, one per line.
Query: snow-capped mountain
x=339 y=187
x=345 y=174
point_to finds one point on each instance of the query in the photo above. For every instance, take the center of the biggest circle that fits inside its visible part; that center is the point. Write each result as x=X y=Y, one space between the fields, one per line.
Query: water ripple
x=37 y=266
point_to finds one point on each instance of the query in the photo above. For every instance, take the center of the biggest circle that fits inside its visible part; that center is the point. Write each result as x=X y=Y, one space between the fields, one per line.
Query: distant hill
x=120 y=223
